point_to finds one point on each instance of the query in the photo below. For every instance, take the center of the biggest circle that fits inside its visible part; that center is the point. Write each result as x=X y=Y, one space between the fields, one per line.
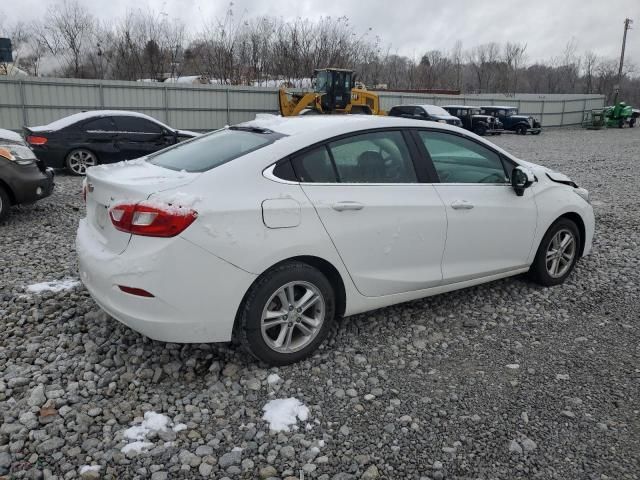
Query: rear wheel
x=287 y=314
x=79 y=160
x=557 y=254
x=481 y=130
x=5 y=203
x=521 y=130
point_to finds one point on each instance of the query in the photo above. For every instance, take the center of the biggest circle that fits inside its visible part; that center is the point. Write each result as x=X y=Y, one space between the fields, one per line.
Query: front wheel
x=521 y=130
x=79 y=160
x=287 y=314
x=5 y=204
x=557 y=254
x=481 y=130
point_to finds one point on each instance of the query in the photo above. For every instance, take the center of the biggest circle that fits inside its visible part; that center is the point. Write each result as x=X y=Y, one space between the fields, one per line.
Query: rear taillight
x=36 y=140
x=151 y=219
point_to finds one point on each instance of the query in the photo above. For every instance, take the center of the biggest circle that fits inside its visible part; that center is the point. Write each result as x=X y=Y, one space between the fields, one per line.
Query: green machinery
x=618 y=115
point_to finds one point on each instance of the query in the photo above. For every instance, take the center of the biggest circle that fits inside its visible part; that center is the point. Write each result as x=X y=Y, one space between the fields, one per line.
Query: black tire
x=259 y=298
x=5 y=203
x=538 y=132
x=539 y=271
x=78 y=160
x=521 y=130
x=481 y=130
x=632 y=123
x=620 y=123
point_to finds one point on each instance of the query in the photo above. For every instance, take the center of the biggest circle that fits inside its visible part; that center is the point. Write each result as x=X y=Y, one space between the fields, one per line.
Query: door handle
x=342 y=206
x=461 y=205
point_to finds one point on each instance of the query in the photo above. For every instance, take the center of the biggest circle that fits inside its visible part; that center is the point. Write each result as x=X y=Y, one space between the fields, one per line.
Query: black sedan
x=23 y=178
x=90 y=138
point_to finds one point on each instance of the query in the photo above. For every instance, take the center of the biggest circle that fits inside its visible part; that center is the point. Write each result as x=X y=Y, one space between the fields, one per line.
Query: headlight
x=582 y=192
x=17 y=153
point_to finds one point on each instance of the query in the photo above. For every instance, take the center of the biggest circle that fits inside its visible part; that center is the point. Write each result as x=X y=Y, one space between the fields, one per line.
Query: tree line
x=269 y=51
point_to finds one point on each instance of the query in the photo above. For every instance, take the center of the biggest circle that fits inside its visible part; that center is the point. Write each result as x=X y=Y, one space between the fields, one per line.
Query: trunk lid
x=131 y=181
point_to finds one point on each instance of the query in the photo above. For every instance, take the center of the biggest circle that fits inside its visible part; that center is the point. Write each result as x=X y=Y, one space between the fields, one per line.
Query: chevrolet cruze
x=269 y=230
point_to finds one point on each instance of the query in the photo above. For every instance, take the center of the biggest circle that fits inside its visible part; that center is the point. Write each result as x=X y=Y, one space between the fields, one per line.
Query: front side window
x=459 y=160
x=377 y=157
x=136 y=125
x=209 y=151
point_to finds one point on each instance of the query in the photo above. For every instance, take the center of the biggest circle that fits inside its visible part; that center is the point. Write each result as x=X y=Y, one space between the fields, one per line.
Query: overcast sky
x=412 y=27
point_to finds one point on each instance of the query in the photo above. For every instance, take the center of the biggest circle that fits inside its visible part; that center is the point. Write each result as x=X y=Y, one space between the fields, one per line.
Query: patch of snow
x=513 y=366
x=53 y=286
x=153 y=422
x=562 y=376
x=9 y=135
x=89 y=468
x=81 y=116
x=136 y=446
x=178 y=427
x=284 y=413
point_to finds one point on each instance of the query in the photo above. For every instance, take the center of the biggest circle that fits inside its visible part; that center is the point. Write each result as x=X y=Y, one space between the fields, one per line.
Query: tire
x=536 y=133
x=481 y=130
x=632 y=123
x=521 y=130
x=78 y=160
x=288 y=338
x=620 y=123
x=548 y=272
x=5 y=203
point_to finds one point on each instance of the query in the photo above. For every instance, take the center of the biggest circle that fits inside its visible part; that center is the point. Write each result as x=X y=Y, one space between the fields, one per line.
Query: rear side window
x=378 y=157
x=209 y=151
x=103 y=124
x=315 y=166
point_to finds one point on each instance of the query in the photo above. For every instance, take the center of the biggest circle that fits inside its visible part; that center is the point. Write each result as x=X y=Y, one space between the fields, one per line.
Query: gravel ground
x=502 y=381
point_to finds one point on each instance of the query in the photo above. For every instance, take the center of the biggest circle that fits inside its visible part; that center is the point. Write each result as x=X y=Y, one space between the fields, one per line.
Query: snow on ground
x=152 y=422
x=89 y=468
x=283 y=413
x=53 y=286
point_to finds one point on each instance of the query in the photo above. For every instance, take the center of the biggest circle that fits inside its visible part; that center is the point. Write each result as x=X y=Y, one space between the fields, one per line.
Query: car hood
x=552 y=174
x=188 y=133
x=444 y=117
x=521 y=117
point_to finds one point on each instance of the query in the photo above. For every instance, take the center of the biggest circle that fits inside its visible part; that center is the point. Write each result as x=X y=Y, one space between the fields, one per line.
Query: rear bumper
x=196 y=294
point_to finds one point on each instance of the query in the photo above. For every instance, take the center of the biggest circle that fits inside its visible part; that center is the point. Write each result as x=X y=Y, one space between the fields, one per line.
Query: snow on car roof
x=499 y=106
x=434 y=109
x=9 y=135
x=78 y=117
x=462 y=106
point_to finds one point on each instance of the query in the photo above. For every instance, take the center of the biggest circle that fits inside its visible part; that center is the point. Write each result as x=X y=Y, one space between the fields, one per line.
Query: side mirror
x=521 y=179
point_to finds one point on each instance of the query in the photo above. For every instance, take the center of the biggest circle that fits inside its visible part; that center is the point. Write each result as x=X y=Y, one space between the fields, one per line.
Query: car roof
x=78 y=117
x=498 y=106
x=461 y=106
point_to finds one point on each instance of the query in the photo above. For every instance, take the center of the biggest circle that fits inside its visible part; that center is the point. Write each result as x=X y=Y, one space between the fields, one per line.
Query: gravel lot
x=502 y=381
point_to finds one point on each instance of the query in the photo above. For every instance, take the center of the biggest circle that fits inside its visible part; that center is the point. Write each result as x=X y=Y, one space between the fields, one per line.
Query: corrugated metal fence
x=37 y=101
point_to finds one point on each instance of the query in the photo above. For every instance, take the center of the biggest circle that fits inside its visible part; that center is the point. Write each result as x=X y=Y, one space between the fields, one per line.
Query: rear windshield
x=209 y=151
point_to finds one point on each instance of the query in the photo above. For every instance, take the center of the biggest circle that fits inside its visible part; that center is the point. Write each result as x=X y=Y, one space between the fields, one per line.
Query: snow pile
x=284 y=413
x=153 y=422
x=54 y=286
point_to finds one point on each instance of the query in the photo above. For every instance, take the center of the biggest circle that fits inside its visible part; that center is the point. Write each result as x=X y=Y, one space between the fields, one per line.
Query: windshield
x=433 y=110
x=209 y=151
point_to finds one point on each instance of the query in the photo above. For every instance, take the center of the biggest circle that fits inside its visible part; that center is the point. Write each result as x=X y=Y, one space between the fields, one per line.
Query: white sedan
x=271 y=229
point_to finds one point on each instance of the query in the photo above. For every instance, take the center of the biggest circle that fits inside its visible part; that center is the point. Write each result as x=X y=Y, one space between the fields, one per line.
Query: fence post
x=564 y=104
x=101 y=94
x=228 y=113
x=544 y=102
x=25 y=118
x=165 y=101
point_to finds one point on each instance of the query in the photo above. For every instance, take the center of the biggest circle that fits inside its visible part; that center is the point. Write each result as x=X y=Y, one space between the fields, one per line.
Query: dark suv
x=509 y=117
x=474 y=121
x=425 y=112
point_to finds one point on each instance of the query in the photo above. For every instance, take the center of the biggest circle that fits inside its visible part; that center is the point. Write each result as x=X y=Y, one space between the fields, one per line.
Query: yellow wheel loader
x=335 y=92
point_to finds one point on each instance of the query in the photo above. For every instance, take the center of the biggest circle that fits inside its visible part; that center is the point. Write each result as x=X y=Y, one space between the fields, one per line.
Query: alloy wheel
x=560 y=253
x=80 y=160
x=292 y=317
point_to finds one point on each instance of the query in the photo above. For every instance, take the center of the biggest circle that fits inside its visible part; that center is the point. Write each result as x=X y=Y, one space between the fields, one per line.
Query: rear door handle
x=342 y=206
x=461 y=205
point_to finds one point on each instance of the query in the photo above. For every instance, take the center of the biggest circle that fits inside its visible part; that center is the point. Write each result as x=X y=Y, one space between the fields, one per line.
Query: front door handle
x=461 y=205
x=342 y=206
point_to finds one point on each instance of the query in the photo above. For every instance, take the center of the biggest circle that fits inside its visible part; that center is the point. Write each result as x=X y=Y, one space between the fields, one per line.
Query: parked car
x=474 y=121
x=23 y=178
x=521 y=124
x=425 y=112
x=90 y=138
x=271 y=229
